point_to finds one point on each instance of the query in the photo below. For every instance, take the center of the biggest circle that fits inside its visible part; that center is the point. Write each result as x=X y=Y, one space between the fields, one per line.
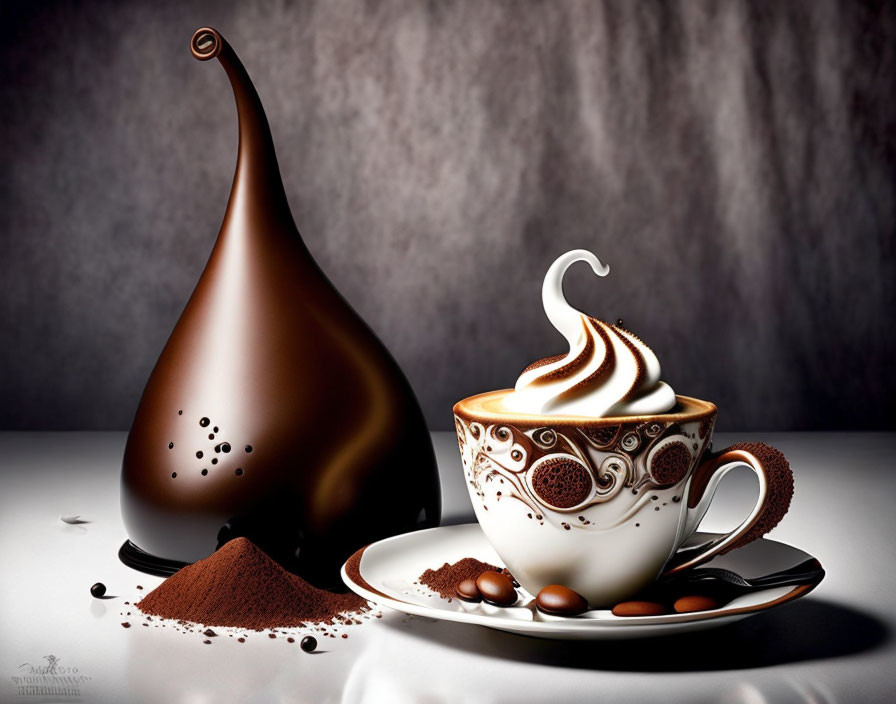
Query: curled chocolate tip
x=206 y=43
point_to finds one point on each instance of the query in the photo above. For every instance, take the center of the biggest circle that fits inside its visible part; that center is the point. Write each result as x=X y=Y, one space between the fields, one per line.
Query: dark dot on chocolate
x=204 y=472
x=215 y=429
x=174 y=475
x=582 y=518
x=239 y=471
x=180 y=413
x=214 y=460
x=199 y=454
x=204 y=422
x=225 y=447
x=170 y=445
x=308 y=644
x=98 y=590
x=248 y=448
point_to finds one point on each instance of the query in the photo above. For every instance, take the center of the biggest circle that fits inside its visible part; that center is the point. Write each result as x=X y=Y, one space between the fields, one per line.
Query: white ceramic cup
x=602 y=506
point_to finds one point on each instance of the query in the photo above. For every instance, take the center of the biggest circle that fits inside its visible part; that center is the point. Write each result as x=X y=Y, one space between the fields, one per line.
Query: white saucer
x=389 y=568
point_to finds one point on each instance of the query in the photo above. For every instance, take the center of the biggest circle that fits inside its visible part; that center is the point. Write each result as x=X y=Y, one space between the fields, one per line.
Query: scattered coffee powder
x=239 y=585
x=445 y=579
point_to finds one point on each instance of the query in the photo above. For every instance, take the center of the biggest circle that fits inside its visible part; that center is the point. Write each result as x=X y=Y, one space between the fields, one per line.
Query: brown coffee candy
x=560 y=601
x=638 y=608
x=687 y=604
x=468 y=591
x=496 y=588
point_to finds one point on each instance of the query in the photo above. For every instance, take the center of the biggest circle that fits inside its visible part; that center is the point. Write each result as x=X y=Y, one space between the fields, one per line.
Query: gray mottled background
x=733 y=163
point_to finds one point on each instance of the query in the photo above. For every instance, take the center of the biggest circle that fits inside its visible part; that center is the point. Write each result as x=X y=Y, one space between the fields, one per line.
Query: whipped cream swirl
x=607 y=372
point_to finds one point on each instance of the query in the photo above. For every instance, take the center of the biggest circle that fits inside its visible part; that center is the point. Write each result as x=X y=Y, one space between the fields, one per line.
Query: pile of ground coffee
x=445 y=579
x=239 y=585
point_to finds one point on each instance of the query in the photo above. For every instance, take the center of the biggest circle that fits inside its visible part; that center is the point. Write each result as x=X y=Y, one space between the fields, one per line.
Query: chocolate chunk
x=468 y=591
x=496 y=588
x=687 y=604
x=125 y=625
x=638 y=608
x=209 y=632
x=308 y=644
x=560 y=601
x=98 y=590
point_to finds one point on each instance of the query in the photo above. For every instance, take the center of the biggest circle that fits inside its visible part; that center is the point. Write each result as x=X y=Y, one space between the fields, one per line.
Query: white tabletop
x=832 y=646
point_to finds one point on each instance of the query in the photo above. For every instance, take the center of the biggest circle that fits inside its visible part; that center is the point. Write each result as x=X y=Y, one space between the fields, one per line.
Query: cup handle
x=775 y=493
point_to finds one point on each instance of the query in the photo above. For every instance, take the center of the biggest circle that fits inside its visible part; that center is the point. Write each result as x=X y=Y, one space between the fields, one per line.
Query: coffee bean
x=308 y=644
x=98 y=590
x=687 y=604
x=560 y=601
x=496 y=588
x=468 y=591
x=638 y=608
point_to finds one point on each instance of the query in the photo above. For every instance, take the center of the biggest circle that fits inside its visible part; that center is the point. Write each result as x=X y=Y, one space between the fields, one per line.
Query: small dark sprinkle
x=145 y=624
x=204 y=422
x=211 y=436
x=308 y=644
x=225 y=447
x=637 y=525
x=180 y=413
x=215 y=428
x=657 y=508
x=98 y=590
x=140 y=586
x=345 y=635
x=248 y=448
x=209 y=632
x=214 y=460
x=207 y=642
x=240 y=640
x=204 y=472
x=174 y=475
x=239 y=471
x=654 y=498
x=290 y=640
x=170 y=445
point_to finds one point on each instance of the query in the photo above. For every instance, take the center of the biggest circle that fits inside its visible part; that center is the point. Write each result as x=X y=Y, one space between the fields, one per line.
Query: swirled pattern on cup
x=607 y=372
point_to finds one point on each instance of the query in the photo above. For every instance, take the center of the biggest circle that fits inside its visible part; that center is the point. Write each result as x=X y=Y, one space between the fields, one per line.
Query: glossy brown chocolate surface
x=273 y=411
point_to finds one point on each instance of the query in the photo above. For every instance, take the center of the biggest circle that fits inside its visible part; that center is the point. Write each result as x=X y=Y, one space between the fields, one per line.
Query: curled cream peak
x=607 y=372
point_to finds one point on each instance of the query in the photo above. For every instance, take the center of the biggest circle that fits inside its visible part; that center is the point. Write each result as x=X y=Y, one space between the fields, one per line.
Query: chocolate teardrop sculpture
x=273 y=412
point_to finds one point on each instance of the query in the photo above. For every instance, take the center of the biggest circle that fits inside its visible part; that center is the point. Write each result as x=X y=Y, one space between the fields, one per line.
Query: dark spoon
x=716 y=579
